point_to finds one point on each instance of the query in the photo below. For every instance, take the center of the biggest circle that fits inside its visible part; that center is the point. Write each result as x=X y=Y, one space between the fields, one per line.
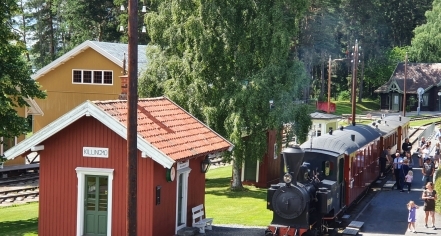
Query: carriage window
x=327 y=168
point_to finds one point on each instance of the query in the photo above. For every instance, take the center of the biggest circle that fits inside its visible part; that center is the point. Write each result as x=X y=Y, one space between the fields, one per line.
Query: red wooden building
x=263 y=173
x=83 y=171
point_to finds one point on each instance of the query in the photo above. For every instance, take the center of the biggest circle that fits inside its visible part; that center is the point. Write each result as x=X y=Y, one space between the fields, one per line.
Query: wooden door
x=95 y=205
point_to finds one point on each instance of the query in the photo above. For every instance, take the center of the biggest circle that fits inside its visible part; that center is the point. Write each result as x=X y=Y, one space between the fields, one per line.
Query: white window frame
x=185 y=173
x=81 y=173
x=92 y=82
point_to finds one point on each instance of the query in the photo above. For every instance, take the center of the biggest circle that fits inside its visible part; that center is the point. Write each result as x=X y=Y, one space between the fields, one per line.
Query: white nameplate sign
x=95 y=152
x=182 y=165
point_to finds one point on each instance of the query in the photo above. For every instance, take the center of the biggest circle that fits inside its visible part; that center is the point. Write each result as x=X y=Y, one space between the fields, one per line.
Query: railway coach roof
x=341 y=140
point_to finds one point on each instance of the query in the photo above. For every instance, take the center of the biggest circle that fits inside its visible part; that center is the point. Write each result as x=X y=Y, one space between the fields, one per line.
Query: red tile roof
x=169 y=128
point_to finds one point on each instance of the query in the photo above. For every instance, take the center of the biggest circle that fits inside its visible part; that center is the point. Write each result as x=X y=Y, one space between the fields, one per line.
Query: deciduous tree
x=224 y=61
x=15 y=82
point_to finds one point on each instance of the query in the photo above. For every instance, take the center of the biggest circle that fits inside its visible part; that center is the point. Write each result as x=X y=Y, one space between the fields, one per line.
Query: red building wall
x=58 y=178
x=269 y=169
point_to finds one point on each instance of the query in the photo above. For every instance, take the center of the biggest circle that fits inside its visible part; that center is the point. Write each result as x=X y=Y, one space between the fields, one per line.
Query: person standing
x=406 y=146
x=428 y=170
x=408 y=180
x=398 y=172
x=384 y=157
x=429 y=196
x=438 y=135
x=437 y=154
x=421 y=147
x=411 y=206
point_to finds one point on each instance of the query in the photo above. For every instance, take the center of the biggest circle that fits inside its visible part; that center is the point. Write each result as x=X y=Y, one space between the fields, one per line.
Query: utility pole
x=132 y=103
x=354 y=80
x=404 y=86
x=329 y=85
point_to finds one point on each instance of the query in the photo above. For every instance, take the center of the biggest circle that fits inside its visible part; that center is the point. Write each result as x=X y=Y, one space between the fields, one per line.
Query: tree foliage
x=15 y=82
x=426 y=45
x=224 y=62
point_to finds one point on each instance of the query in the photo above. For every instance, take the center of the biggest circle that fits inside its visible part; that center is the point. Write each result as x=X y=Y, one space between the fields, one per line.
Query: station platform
x=386 y=213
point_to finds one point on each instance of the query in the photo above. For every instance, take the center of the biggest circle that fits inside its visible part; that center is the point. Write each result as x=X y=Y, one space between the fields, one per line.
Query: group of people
x=429 y=196
x=402 y=166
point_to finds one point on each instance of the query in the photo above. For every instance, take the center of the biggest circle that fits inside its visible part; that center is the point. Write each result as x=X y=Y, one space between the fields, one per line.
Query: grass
x=247 y=207
x=345 y=107
x=19 y=220
x=438 y=191
x=417 y=123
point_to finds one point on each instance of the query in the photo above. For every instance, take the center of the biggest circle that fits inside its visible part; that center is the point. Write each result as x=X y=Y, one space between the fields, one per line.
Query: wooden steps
x=353 y=228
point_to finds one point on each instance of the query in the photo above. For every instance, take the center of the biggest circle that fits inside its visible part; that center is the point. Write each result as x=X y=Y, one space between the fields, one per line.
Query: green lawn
x=20 y=220
x=246 y=207
x=345 y=107
x=418 y=123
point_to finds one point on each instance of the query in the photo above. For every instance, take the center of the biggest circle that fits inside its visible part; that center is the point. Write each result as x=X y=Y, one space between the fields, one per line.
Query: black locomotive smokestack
x=293 y=159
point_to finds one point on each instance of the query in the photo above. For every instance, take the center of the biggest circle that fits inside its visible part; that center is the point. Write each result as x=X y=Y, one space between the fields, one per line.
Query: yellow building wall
x=63 y=95
x=8 y=143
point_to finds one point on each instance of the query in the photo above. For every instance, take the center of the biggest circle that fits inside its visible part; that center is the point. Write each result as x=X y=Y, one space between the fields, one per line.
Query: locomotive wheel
x=270 y=233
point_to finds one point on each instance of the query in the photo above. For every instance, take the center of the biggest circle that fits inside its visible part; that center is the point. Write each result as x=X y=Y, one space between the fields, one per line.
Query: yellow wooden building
x=90 y=71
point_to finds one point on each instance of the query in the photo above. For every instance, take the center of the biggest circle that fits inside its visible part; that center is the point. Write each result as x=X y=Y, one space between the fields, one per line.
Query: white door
x=181 y=197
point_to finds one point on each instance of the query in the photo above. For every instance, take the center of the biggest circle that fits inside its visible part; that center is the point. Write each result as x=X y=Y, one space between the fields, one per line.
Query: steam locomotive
x=327 y=174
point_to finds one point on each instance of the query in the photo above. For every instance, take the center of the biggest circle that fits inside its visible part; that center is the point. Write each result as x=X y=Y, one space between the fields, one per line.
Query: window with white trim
x=92 y=77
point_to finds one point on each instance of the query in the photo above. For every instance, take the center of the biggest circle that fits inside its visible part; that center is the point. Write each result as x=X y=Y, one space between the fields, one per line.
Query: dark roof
x=340 y=141
x=424 y=75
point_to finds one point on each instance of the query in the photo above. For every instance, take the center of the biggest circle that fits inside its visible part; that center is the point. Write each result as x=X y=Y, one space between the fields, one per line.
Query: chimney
x=353 y=137
x=124 y=87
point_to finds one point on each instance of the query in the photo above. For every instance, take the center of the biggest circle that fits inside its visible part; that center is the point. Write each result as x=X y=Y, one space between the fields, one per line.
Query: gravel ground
x=235 y=230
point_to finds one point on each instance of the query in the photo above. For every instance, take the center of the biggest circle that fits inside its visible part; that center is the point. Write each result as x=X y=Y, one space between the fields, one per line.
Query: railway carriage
x=336 y=169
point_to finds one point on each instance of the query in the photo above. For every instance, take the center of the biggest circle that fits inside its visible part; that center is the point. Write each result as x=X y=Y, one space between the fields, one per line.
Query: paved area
x=387 y=213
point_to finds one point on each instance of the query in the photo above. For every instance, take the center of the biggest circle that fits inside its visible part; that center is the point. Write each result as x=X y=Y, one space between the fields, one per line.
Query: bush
x=438 y=190
x=344 y=95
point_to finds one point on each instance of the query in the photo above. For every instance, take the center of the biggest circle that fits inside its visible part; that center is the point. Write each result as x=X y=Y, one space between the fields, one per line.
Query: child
x=412 y=216
x=408 y=180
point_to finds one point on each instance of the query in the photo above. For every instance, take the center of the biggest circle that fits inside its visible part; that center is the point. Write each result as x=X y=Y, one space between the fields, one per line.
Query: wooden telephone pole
x=132 y=119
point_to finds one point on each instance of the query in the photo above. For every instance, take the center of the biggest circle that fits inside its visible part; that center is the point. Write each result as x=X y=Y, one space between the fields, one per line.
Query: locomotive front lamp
x=287 y=178
x=205 y=165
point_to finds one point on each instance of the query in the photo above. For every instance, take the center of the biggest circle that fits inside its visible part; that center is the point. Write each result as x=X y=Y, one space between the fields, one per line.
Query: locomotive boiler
x=300 y=200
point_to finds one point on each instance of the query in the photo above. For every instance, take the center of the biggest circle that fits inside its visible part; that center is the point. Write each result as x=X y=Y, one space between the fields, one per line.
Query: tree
x=224 y=61
x=426 y=45
x=15 y=81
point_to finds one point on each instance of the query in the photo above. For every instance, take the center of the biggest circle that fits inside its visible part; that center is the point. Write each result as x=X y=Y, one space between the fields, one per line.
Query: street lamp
x=329 y=80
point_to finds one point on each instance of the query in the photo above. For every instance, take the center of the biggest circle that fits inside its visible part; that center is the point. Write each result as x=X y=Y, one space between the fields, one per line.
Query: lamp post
x=329 y=80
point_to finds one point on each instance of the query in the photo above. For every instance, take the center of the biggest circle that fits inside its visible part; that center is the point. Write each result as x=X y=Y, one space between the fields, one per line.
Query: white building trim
x=81 y=173
x=88 y=109
x=185 y=173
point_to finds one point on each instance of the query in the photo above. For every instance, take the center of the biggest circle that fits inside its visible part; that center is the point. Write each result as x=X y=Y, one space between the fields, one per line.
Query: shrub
x=344 y=95
x=438 y=190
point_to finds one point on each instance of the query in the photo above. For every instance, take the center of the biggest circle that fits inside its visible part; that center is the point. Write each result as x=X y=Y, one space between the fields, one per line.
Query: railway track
x=32 y=177
x=18 y=194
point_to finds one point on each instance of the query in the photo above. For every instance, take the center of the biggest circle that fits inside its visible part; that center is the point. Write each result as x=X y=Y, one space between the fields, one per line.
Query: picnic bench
x=199 y=220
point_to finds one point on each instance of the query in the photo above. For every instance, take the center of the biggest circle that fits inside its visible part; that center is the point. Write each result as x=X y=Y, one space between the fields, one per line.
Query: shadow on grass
x=19 y=227
x=221 y=187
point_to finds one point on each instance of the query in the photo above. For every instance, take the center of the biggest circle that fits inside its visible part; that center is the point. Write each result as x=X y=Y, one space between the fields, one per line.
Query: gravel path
x=235 y=230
